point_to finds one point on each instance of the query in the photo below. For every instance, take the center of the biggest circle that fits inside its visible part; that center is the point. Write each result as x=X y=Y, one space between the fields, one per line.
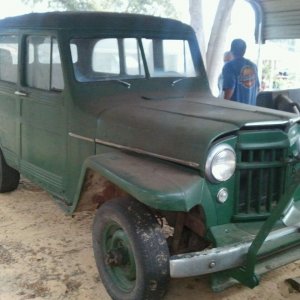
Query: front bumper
x=234 y=255
x=240 y=251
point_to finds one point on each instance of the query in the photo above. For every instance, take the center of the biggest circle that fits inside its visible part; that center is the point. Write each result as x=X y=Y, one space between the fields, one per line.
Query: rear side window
x=8 y=58
x=43 y=63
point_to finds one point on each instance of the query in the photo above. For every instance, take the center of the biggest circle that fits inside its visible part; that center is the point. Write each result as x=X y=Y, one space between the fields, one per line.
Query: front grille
x=260 y=181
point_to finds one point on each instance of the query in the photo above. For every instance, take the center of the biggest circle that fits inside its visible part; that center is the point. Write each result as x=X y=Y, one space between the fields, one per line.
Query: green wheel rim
x=119 y=258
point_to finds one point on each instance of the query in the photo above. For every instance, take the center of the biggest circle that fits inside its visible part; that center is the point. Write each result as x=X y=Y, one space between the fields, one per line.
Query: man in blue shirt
x=226 y=58
x=240 y=78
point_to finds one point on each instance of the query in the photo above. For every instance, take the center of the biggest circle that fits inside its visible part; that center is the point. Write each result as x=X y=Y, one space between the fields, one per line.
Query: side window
x=74 y=53
x=8 y=58
x=43 y=63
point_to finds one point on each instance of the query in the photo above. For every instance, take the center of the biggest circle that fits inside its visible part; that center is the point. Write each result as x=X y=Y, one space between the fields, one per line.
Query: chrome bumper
x=221 y=258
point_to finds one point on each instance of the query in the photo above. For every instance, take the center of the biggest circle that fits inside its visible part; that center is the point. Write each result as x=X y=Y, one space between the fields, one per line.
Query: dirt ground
x=45 y=254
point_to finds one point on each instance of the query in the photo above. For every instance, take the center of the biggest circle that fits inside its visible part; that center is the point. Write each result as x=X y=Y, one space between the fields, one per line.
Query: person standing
x=240 y=77
x=226 y=58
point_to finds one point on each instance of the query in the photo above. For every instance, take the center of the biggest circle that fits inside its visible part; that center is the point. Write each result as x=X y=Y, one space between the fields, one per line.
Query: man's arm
x=228 y=94
x=228 y=81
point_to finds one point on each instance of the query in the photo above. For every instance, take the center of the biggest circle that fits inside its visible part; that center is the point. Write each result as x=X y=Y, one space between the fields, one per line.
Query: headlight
x=220 y=164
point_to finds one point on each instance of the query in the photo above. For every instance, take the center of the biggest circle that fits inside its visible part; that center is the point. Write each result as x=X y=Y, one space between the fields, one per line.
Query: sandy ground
x=45 y=254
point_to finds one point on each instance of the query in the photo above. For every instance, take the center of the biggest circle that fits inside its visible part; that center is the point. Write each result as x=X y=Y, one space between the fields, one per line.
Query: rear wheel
x=130 y=251
x=9 y=177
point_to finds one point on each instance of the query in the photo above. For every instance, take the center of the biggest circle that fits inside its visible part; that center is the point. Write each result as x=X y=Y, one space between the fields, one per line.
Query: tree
x=195 y=8
x=152 y=7
x=65 y=4
x=213 y=53
x=157 y=7
x=216 y=44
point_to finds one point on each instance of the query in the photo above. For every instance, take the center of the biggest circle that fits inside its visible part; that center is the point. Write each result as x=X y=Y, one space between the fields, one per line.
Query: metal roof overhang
x=276 y=19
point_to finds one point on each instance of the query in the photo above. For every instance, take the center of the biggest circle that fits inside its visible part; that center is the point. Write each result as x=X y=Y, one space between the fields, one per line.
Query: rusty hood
x=182 y=129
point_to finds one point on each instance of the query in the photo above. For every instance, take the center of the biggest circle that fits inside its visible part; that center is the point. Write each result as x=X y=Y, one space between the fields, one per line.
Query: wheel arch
x=158 y=184
x=9 y=157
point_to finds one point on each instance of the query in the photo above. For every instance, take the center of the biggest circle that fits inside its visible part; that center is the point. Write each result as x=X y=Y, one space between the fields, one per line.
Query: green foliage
x=152 y=7
x=65 y=4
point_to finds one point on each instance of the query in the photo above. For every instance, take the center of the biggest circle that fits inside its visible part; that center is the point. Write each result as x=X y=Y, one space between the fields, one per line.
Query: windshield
x=125 y=58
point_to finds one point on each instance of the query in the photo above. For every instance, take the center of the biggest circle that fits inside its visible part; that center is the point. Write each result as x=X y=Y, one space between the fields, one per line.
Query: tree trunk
x=216 y=45
x=195 y=7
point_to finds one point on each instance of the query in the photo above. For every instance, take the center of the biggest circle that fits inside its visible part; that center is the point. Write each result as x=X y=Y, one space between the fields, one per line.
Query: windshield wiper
x=125 y=83
x=178 y=80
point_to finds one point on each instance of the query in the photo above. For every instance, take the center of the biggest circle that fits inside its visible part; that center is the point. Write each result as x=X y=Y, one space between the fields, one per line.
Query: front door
x=43 y=114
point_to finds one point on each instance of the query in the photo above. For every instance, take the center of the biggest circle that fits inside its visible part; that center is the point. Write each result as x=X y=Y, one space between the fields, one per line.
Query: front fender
x=154 y=182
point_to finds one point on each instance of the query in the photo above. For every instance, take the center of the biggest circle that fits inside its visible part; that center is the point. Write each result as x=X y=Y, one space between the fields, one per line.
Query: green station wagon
x=114 y=112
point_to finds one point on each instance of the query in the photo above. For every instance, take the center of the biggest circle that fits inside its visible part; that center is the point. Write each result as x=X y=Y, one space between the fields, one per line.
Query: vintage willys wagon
x=114 y=112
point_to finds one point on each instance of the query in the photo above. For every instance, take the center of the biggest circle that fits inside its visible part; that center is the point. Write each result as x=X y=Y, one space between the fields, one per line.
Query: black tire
x=131 y=252
x=9 y=177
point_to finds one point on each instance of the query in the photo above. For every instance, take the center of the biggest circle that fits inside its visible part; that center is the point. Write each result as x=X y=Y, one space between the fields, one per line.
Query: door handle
x=19 y=93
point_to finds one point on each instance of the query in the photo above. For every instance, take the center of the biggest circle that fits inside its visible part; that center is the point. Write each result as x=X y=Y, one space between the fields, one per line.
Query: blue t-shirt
x=240 y=75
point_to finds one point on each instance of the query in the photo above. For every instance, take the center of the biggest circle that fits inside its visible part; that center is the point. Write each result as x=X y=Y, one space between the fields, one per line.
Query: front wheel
x=131 y=252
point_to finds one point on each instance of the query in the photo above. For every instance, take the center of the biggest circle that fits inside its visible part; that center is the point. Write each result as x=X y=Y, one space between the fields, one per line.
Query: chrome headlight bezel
x=215 y=154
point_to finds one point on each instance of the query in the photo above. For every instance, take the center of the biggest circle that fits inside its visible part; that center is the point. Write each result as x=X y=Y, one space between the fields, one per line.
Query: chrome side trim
x=20 y=93
x=140 y=151
x=80 y=137
x=220 y=258
x=267 y=123
x=271 y=123
x=294 y=120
